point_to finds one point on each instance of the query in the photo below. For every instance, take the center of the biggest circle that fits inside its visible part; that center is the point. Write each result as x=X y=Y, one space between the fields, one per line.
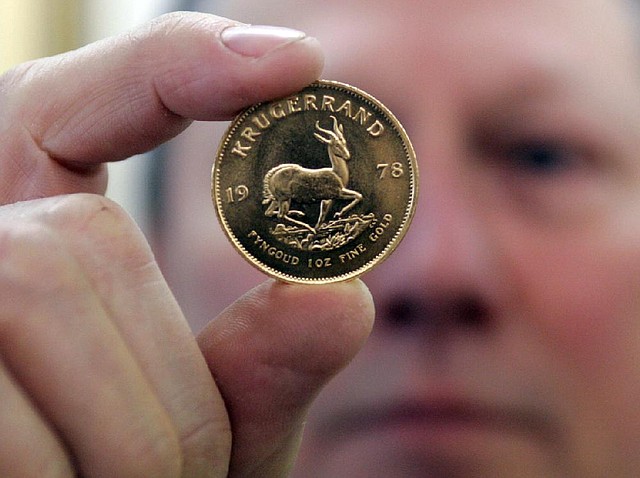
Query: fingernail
x=257 y=40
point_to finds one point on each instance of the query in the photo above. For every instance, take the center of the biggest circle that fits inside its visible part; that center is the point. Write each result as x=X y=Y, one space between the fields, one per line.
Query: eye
x=521 y=153
x=540 y=156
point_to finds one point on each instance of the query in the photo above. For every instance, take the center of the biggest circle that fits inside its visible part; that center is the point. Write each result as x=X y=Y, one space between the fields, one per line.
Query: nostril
x=415 y=310
x=402 y=311
x=470 y=311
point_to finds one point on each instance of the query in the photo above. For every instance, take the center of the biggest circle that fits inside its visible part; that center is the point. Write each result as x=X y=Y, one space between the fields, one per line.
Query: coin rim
x=378 y=258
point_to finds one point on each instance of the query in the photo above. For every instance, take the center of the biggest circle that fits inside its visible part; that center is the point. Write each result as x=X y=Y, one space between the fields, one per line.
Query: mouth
x=443 y=423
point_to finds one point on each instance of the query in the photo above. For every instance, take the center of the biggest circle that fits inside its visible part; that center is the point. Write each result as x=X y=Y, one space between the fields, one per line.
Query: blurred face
x=507 y=340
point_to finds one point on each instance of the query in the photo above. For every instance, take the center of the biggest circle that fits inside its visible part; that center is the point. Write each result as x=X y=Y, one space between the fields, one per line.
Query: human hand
x=99 y=373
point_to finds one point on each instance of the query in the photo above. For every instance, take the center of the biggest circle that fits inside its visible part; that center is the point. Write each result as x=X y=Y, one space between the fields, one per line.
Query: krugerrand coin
x=317 y=187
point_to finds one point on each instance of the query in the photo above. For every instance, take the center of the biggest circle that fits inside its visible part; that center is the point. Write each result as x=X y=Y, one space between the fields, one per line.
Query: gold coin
x=317 y=187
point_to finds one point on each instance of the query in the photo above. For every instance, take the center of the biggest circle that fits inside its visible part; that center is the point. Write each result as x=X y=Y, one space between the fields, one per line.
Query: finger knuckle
x=168 y=22
x=158 y=455
x=84 y=211
x=35 y=269
x=33 y=261
x=98 y=226
x=20 y=89
x=172 y=22
x=170 y=25
x=208 y=444
x=48 y=247
x=10 y=82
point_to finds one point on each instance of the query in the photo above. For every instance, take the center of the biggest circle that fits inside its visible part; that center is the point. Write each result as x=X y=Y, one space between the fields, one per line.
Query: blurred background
x=34 y=28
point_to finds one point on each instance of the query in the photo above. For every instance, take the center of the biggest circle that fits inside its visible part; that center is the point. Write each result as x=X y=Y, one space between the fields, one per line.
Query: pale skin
x=508 y=333
x=507 y=338
x=100 y=375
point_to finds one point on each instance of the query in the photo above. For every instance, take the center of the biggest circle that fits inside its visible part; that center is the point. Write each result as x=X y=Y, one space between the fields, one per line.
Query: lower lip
x=464 y=446
x=450 y=434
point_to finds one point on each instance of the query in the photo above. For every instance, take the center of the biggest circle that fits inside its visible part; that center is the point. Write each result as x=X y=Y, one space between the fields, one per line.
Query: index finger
x=63 y=116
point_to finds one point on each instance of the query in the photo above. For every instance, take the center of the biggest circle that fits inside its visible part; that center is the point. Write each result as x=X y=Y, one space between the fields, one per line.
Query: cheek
x=581 y=291
x=580 y=301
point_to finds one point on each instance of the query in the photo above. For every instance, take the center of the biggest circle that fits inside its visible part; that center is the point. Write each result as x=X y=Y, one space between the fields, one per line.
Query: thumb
x=271 y=353
x=61 y=117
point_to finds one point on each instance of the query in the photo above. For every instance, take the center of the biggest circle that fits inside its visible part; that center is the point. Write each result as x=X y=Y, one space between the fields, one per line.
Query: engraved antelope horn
x=337 y=128
x=332 y=134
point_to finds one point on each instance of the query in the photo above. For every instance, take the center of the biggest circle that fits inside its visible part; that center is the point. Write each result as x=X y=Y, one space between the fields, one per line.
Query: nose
x=443 y=275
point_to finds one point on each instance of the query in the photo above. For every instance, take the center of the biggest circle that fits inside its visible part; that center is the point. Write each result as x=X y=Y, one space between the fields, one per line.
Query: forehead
x=409 y=14
x=442 y=31
x=465 y=54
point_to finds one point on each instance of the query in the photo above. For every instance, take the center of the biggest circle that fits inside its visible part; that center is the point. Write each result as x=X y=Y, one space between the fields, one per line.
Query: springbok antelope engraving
x=290 y=182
